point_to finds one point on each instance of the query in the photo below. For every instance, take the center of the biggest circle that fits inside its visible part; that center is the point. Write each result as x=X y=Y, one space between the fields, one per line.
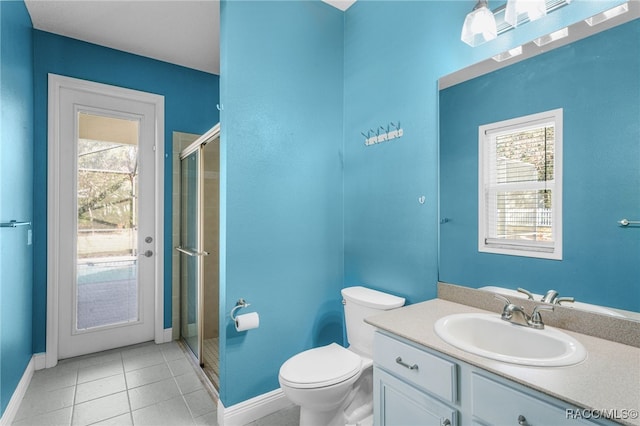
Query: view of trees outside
x=107 y=186
x=525 y=157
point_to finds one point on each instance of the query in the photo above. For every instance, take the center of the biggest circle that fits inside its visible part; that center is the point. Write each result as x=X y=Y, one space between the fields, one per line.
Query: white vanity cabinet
x=414 y=385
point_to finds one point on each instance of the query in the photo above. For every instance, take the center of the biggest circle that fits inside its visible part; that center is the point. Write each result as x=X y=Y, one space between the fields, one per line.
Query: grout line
x=126 y=388
x=75 y=391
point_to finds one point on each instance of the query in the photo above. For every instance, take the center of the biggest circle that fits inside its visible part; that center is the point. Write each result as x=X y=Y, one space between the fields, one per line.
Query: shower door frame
x=197 y=145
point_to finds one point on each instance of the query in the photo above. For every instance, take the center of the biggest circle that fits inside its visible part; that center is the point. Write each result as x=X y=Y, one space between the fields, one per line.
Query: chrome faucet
x=551 y=297
x=516 y=314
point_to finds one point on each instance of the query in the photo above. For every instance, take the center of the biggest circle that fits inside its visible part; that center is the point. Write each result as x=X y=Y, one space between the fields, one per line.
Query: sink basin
x=489 y=336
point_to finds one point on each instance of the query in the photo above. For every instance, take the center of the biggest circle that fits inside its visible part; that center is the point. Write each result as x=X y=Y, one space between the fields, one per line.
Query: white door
x=106 y=246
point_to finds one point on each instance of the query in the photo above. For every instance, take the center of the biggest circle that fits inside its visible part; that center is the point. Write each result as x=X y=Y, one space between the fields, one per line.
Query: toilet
x=332 y=385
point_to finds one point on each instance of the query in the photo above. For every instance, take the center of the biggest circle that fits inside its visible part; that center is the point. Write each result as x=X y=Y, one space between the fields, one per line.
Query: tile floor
x=145 y=384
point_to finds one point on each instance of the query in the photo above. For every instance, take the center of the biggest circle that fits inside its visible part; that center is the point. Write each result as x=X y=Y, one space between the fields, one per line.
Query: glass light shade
x=532 y=9
x=479 y=26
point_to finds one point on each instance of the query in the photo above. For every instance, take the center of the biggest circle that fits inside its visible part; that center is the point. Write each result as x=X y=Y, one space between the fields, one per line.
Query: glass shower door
x=191 y=252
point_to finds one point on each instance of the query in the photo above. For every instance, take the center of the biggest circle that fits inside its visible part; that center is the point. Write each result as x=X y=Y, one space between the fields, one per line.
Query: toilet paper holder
x=241 y=303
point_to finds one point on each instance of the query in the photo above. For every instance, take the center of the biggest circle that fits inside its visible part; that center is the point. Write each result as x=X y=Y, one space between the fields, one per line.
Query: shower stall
x=199 y=250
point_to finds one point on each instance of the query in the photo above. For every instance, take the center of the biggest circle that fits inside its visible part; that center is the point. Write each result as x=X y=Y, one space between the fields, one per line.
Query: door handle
x=191 y=253
x=148 y=253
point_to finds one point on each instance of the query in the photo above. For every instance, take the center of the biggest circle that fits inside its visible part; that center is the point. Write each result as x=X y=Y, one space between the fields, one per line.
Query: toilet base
x=356 y=410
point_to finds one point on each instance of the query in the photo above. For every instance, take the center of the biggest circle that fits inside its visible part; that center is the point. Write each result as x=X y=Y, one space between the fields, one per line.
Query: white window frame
x=528 y=249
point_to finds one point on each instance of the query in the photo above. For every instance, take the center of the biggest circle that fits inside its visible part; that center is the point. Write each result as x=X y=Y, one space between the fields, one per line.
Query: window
x=520 y=186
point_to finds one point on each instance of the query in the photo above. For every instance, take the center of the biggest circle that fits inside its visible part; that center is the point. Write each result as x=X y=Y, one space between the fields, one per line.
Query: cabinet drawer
x=424 y=370
x=497 y=404
x=398 y=403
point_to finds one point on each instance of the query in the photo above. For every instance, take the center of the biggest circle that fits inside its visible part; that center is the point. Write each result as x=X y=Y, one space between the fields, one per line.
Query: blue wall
x=596 y=82
x=190 y=106
x=395 y=52
x=306 y=207
x=281 y=186
x=16 y=194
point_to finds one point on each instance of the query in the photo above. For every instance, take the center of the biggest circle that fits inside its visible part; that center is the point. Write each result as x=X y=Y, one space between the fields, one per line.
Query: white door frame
x=56 y=83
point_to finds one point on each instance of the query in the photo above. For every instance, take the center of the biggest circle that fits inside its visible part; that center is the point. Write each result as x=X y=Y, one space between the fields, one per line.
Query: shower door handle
x=191 y=252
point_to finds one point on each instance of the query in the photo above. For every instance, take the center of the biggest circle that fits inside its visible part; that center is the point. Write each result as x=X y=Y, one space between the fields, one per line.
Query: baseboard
x=40 y=361
x=167 y=335
x=252 y=409
x=14 y=403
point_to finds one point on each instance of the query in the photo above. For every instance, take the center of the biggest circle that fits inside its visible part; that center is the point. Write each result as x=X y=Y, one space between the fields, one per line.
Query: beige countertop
x=609 y=379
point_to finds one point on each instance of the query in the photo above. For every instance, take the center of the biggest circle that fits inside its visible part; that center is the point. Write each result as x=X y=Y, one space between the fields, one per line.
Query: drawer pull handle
x=522 y=420
x=404 y=364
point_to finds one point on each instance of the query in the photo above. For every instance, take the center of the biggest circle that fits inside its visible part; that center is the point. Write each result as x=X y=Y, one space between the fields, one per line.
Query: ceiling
x=182 y=32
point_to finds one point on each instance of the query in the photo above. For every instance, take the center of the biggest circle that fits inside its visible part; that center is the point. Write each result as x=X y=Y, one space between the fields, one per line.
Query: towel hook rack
x=14 y=224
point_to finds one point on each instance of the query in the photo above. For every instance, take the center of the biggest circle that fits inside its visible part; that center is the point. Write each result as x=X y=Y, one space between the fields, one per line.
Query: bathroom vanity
x=421 y=379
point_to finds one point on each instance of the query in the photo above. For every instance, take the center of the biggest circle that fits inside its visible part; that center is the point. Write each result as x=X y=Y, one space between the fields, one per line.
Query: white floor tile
x=210 y=419
x=180 y=366
x=99 y=388
x=147 y=375
x=170 y=413
x=60 y=417
x=153 y=393
x=199 y=403
x=52 y=379
x=145 y=384
x=100 y=409
x=143 y=360
x=122 y=420
x=99 y=371
x=38 y=401
x=189 y=382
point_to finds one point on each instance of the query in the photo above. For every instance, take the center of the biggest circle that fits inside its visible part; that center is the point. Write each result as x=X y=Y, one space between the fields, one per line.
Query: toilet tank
x=359 y=303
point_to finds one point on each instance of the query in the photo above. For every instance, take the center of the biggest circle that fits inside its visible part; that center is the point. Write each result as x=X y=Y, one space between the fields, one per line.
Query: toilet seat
x=320 y=367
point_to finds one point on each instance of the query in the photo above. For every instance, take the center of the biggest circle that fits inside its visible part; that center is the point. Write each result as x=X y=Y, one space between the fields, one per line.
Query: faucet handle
x=536 y=318
x=506 y=309
x=564 y=299
x=527 y=292
x=502 y=298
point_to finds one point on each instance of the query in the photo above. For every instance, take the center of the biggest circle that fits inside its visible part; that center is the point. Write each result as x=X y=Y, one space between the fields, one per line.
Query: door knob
x=148 y=253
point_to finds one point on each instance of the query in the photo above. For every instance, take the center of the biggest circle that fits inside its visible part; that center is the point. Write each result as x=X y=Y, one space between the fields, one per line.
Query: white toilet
x=333 y=385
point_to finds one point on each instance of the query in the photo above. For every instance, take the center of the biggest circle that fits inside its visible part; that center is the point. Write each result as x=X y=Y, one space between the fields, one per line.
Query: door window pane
x=107 y=186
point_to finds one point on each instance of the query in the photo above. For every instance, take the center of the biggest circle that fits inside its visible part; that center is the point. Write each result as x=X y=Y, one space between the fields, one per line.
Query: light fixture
x=479 y=25
x=519 y=9
x=607 y=14
x=556 y=35
x=508 y=54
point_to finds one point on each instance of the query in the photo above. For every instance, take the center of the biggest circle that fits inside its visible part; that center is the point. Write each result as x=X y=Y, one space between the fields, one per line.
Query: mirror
x=595 y=81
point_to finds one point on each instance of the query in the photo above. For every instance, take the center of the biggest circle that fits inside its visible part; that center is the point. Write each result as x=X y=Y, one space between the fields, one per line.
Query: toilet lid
x=319 y=367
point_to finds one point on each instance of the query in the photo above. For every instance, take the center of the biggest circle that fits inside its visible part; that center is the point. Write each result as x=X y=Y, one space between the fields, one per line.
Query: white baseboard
x=168 y=335
x=14 y=403
x=252 y=409
x=40 y=361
